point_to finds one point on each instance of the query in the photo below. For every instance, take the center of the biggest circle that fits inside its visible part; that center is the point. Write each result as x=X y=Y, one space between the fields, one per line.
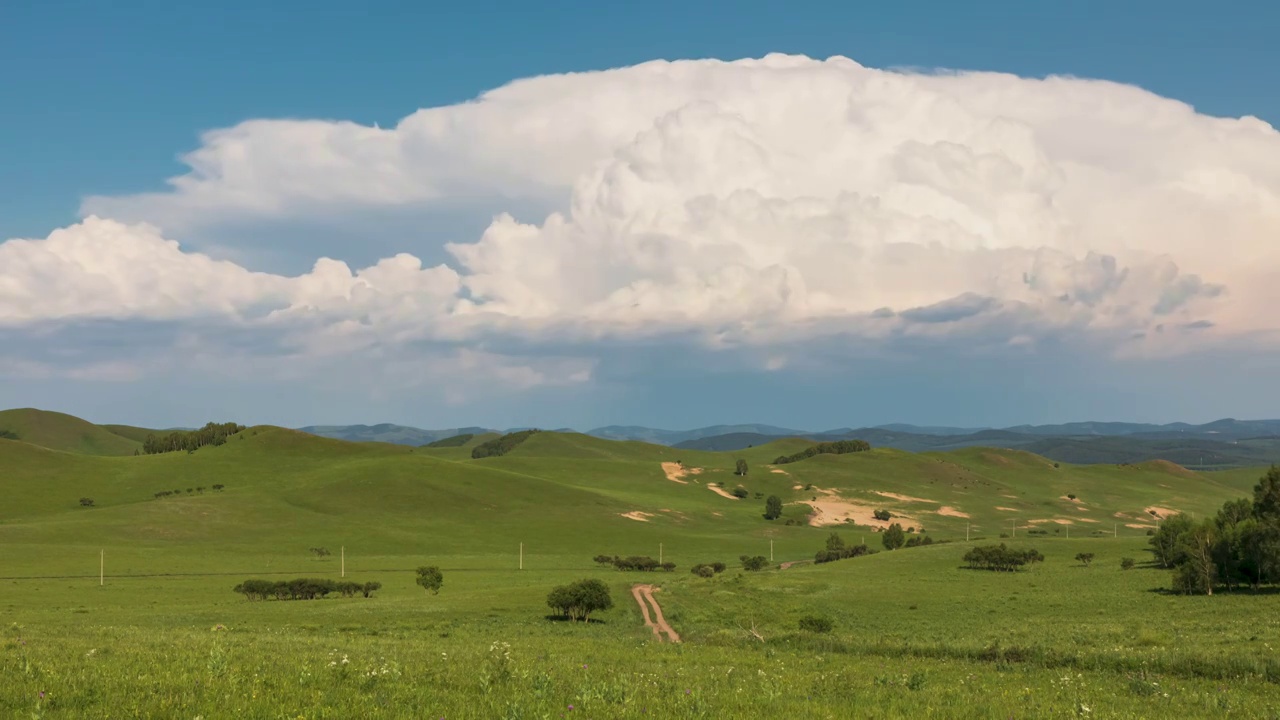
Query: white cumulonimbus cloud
x=753 y=201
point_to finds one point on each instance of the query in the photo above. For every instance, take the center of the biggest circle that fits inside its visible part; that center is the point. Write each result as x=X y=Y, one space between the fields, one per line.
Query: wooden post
x=770 y=549
x=521 y=556
x=343 y=554
x=659 y=553
x=966 y=532
x=102 y=565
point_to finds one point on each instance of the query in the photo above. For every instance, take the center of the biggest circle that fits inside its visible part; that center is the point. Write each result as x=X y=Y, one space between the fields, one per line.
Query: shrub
x=8 y=435
x=1085 y=558
x=348 y=589
x=431 y=579
x=502 y=445
x=218 y=487
x=369 y=588
x=579 y=600
x=319 y=551
x=703 y=571
x=740 y=493
x=893 y=538
x=881 y=515
x=719 y=567
x=839 y=447
x=636 y=563
x=604 y=559
x=754 y=563
x=86 y=502
x=773 y=508
x=1126 y=563
x=815 y=624
x=668 y=566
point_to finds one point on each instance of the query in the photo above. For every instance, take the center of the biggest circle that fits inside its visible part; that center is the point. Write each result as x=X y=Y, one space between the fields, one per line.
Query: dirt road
x=644 y=597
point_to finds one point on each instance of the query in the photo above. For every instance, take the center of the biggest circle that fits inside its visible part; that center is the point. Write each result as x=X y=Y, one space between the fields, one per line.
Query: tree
x=754 y=563
x=1266 y=496
x=431 y=579
x=894 y=537
x=86 y=502
x=773 y=508
x=740 y=493
x=741 y=467
x=579 y=600
x=881 y=515
x=1084 y=558
x=1198 y=571
x=370 y=588
x=1126 y=563
x=1164 y=544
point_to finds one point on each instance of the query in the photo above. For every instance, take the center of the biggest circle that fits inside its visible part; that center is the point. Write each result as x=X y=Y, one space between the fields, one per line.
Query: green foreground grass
x=915 y=634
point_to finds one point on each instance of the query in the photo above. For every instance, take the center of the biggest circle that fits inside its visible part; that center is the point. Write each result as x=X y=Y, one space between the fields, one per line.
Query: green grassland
x=59 y=431
x=914 y=633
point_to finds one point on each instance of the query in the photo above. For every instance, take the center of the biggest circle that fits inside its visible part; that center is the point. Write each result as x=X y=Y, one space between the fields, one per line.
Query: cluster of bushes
x=1239 y=547
x=450 y=442
x=1000 y=558
x=319 y=551
x=839 y=447
x=707 y=570
x=881 y=515
x=210 y=434
x=837 y=550
x=86 y=502
x=199 y=489
x=578 y=600
x=303 y=589
x=8 y=435
x=740 y=492
x=501 y=445
x=754 y=563
x=918 y=540
x=634 y=563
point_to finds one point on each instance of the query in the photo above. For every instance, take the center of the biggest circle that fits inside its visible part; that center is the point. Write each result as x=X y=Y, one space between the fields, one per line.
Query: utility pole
x=1015 y=527
x=770 y=549
x=659 y=553
x=1068 y=532
x=343 y=555
x=102 y=567
x=966 y=532
x=521 y=556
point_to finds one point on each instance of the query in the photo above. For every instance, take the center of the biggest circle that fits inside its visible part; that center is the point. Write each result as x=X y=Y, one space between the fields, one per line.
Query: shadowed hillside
x=58 y=431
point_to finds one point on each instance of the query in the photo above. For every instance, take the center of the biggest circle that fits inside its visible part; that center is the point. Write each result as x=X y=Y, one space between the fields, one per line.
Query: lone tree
x=741 y=467
x=430 y=578
x=894 y=537
x=773 y=508
x=579 y=600
x=1084 y=558
x=882 y=515
x=86 y=502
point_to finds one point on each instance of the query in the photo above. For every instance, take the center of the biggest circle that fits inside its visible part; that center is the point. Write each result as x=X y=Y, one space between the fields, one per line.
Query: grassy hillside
x=913 y=633
x=67 y=433
x=137 y=434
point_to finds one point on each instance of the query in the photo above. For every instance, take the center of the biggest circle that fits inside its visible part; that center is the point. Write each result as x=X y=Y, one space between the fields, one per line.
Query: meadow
x=914 y=633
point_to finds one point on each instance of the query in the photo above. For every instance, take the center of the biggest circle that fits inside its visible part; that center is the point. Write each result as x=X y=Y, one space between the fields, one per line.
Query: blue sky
x=102 y=99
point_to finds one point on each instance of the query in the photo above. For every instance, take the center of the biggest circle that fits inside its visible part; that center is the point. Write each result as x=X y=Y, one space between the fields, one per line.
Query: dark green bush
x=502 y=445
x=839 y=447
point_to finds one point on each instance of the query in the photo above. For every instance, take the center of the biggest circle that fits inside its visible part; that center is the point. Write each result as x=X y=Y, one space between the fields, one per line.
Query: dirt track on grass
x=644 y=597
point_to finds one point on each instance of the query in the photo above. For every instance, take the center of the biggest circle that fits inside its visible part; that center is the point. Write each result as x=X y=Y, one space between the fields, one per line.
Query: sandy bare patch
x=1060 y=521
x=1139 y=526
x=797 y=487
x=1121 y=516
x=779 y=471
x=717 y=513
x=903 y=498
x=721 y=491
x=831 y=509
x=1006 y=509
x=951 y=512
x=675 y=471
x=1011 y=497
x=1082 y=508
x=1160 y=512
x=637 y=515
x=1088 y=520
x=1069 y=499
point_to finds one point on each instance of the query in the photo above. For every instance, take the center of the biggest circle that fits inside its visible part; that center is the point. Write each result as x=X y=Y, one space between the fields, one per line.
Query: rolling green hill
x=912 y=631
x=67 y=433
